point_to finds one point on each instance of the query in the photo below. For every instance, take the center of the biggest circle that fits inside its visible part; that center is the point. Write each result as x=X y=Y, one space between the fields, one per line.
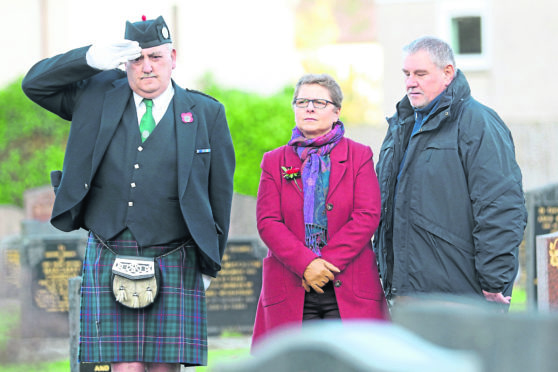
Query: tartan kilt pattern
x=172 y=330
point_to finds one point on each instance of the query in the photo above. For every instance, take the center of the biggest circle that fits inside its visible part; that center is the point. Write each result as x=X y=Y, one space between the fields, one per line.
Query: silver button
x=140 y=148
x=133 y=184
x=130 y=204
x=136 y=166
x=86 y=186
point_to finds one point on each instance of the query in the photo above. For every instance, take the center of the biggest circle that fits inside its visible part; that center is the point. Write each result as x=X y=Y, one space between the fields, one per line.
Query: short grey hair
x=440 y=52
x=325 y=81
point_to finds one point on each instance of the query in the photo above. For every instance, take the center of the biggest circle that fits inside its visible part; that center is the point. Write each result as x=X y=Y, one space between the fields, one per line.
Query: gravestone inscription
x=546 y=221
x=547 y=268
x=233 y=296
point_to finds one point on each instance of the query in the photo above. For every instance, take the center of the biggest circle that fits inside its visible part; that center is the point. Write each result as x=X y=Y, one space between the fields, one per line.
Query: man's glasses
x=317 y=103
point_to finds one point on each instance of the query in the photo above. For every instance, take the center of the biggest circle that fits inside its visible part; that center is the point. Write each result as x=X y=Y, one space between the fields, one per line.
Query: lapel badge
x=187 y=117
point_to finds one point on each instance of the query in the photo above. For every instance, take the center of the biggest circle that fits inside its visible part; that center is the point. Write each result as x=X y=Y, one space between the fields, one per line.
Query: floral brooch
x=187 y=117
x=291 y=173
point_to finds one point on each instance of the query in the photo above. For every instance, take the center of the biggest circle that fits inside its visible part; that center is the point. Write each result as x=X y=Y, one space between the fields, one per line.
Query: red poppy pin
x=187 y=117
x=291 y=173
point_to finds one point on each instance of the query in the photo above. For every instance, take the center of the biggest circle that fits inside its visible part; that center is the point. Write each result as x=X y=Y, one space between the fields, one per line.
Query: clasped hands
x=317 y=274
x=106 y=56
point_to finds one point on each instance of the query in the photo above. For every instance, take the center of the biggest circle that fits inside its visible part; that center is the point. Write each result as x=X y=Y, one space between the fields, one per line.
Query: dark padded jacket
x=458 y=215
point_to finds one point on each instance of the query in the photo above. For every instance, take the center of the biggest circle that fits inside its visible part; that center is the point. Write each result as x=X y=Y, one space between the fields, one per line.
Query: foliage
x=258 y=124
x=32 y=143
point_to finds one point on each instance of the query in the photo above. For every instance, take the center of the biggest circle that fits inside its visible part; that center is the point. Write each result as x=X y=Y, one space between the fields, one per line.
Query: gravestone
x=547 y=272
x=10 y=220
x=10 y=242
x=542 y=207
x=10 y=267
x=232 y=297
x=49 y=258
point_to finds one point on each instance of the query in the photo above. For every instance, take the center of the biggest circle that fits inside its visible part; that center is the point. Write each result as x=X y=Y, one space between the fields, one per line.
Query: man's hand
x=318 y=273
x=108 y=56
x=497 y=297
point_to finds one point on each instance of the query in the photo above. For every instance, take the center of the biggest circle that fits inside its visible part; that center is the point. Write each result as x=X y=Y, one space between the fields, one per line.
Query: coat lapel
x=113 y=109
x=338 y=157
x=186 y=130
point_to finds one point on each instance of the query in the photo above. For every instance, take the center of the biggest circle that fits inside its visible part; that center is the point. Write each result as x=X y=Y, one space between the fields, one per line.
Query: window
x=466 y=26
x=466 y=35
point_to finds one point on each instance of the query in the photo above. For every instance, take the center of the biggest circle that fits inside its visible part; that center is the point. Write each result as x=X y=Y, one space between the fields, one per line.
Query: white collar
x=160 y=103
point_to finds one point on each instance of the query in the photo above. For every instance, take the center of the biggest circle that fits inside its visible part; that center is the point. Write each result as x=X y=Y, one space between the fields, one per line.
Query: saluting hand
x=106 y=56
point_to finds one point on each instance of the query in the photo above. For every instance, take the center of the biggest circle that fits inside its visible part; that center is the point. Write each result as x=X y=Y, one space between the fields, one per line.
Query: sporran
x=135 y=281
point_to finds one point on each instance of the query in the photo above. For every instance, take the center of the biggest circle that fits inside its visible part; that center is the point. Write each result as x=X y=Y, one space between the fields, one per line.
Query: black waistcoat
x=136 y=185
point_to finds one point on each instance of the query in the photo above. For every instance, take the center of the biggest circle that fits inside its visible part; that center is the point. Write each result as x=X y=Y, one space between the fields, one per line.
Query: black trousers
x=321 y=305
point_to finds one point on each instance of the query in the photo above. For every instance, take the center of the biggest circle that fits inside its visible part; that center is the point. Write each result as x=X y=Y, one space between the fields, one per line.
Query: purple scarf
x=316 y=166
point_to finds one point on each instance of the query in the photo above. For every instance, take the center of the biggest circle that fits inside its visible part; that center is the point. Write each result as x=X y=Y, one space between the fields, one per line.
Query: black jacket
x=94 y=101
x=458 y=215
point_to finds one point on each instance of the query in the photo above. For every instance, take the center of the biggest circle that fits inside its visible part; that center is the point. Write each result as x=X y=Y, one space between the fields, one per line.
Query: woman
x=317 y=208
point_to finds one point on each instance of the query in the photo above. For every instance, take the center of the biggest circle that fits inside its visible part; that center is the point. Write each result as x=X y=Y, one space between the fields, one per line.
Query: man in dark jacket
x=148 y=171
x=453 y=209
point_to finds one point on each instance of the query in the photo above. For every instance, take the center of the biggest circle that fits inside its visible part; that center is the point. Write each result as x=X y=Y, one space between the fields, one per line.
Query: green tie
x=147 y=123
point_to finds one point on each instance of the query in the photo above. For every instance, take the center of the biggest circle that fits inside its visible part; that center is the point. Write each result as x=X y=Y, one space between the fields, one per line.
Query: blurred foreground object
x=351 y=347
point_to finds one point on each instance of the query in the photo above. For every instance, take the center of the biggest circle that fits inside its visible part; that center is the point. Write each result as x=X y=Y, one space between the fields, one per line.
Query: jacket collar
x=456 y=91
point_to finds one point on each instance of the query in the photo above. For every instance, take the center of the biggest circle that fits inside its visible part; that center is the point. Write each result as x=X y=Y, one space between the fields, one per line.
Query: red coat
x=353 y=212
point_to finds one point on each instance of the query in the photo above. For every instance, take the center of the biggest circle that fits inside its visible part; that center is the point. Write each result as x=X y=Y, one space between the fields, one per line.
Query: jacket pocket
x=55 y=178
x=440 y=261
x=440 y=149
x=442 y=233
x=273 y=282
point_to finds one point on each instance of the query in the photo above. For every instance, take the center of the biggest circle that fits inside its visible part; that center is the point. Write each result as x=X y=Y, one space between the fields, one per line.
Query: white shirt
x=160 y=104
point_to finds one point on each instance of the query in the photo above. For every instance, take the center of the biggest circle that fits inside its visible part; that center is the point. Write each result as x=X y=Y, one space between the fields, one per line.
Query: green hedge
x=32 y=143
x=258 y=124
x=32 y=140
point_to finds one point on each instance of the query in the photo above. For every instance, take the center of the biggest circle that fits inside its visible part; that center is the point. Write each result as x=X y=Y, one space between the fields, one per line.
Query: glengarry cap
x=148 y=32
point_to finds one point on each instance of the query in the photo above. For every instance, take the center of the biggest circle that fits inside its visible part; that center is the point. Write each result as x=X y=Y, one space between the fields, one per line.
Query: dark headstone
x=49 y=259
x=233 y=296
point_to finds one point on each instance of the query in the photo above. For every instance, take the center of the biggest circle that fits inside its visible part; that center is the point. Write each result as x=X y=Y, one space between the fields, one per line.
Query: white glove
x=206 y=281
x=108 y=56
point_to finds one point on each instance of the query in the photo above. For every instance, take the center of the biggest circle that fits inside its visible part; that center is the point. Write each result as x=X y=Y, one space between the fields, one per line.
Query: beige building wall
x=516 y=77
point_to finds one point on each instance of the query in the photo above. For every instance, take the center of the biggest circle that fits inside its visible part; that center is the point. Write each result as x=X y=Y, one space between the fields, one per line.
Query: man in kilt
x=161 y=192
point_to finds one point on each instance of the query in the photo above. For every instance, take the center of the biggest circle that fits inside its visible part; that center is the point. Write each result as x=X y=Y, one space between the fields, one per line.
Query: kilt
x=172 y=330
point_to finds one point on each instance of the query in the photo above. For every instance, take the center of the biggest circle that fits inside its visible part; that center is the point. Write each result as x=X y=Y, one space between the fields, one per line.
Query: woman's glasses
x=317 y=103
